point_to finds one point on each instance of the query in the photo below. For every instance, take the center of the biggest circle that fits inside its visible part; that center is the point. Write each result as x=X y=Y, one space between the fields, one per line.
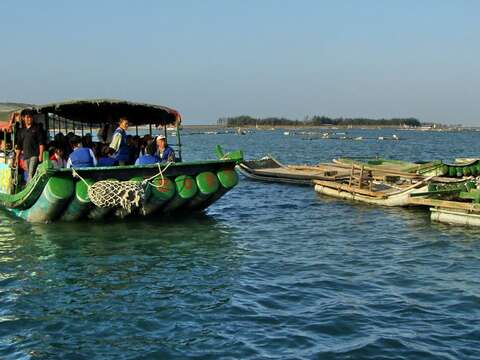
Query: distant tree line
x=246 y=120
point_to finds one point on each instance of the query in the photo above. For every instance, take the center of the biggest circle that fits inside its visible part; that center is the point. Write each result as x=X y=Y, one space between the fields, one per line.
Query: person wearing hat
x=164 y=152
x=81 y=156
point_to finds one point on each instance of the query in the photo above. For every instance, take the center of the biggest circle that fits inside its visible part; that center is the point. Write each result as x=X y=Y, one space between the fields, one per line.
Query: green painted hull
x=57 y=195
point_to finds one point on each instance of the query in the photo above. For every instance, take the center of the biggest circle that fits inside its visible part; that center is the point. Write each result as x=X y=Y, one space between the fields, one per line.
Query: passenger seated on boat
x=106 y=156
x=87 y=141
x=61 y=141
x=149 y=156
x=147 y=139
x=119 y=142
x=80 y=157
x=133 y=148
x=164 y=152
x=57 y=157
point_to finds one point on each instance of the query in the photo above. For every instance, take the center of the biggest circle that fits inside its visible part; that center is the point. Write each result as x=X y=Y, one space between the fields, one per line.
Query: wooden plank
x=351 y=189
x=444 y=204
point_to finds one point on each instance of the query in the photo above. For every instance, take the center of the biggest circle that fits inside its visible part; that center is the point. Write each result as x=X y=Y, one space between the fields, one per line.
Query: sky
x=211 y=59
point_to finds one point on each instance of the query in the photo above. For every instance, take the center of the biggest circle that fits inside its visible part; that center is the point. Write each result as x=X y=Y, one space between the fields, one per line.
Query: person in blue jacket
x=80 y=157
x=149 y=157
x=119 y=142
x=106 y=156
x=164 y=152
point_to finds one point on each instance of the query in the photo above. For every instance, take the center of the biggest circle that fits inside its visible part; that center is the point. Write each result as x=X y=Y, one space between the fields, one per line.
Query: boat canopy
x=101 y=111
x=6 y=109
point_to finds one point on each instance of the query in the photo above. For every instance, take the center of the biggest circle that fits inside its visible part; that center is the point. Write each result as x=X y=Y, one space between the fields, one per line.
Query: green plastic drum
x=186 y=188
x=207 y=183
x=161 y=191
x=452 y=171
x=444 y=169
x=80 y=203
x=466 y=171
x=473 y=170
x=228 y=178
x=459 y=171
x=52 y=201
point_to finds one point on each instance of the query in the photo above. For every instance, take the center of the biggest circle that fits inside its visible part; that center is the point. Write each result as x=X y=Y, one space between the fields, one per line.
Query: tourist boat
x=118 y=191
x=271 y=170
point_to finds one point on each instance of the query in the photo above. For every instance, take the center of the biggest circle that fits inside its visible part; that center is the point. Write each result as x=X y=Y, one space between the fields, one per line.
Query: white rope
x=160 y=172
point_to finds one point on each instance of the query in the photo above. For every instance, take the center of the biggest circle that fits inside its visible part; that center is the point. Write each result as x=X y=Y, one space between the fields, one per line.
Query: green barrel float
x=466 y=171
x=452 y=171
x=186 y=188
x=227 y=179
x=52 y=201
x=208 y=184
x=159 y=192
x=98 y=213
x=444 y=170
x=473 y=170
x=432 y=187
x=80 y=203
x=459 y=171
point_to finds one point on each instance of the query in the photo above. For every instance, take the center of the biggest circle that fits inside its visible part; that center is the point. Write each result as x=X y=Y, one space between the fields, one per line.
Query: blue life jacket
x=146 y=159
x=123 y=152
x=80 y=158
x=106 y=161
x=166 y=153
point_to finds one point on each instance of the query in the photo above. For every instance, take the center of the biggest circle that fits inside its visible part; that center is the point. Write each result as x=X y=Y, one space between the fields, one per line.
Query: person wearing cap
x=119 y=142
x=81 y=156
x=31 y=141
x=164 y=152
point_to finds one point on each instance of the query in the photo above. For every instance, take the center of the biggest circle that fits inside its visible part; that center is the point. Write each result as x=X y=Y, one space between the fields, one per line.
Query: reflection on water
x=56 y=280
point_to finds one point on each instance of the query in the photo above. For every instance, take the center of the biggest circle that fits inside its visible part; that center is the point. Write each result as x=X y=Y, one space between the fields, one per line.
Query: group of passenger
x=72 y=151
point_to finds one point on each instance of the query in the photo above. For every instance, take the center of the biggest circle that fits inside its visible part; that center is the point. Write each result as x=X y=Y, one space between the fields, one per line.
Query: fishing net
x=114 y=193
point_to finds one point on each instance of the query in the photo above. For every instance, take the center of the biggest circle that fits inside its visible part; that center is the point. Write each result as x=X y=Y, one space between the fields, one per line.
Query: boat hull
x=63 y=195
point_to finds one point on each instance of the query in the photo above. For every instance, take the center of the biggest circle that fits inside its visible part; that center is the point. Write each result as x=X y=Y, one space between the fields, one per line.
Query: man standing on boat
x=119 y=142
x=31 y=141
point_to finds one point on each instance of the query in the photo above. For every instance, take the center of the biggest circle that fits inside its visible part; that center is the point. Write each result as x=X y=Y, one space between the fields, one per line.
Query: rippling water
x=271 y=271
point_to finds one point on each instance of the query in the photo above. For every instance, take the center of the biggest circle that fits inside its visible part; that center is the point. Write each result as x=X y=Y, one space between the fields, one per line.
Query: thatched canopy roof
x=6 y=109
x=99 y=111
x=110 y=110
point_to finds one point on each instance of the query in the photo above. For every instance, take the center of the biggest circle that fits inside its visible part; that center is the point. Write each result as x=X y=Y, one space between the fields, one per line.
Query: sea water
x=270 y=271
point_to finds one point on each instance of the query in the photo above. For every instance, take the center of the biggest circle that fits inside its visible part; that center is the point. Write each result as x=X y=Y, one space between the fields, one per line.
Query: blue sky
x=210 y=59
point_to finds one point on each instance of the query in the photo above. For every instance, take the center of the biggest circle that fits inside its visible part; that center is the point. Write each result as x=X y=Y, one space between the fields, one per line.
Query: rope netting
x=128 y=195
x=114 y=193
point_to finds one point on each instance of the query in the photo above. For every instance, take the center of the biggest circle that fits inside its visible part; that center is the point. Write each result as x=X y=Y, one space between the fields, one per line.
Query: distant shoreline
x=326 y=127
